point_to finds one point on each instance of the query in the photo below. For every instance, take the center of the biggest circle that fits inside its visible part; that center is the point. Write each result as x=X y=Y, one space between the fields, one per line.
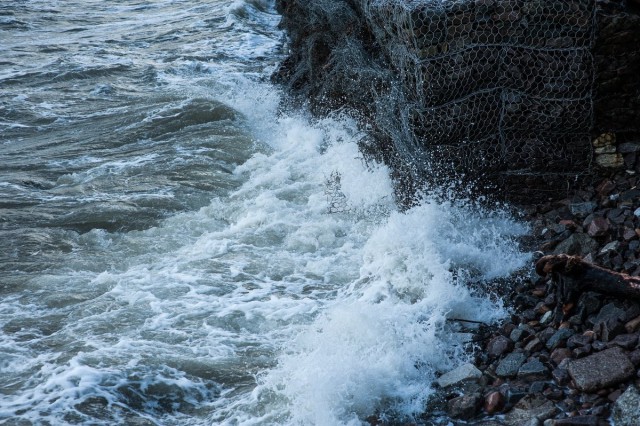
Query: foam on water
x=375 y=338
x=332 y=316
x=264 y=306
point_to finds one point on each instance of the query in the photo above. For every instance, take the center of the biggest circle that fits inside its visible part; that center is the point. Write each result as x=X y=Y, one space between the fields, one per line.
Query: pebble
x=494 y=402
x=519 y=333
x=509 y=365
x=582 y=209
x=559 y=338
x=532 y=368
x=459 y=375
x=625 y=341
x=531 y=407
x=598 y=227
x=579 y=340
x=464 y=407
x=498 y=346
x=534 y=345
x=546 y=318
x=560 y=354
x=633 y=325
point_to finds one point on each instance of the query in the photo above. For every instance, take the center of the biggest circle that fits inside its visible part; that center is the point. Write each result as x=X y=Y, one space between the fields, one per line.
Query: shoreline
x=581 y=370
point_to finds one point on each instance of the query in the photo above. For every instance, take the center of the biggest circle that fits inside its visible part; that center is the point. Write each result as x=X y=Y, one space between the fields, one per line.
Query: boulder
x=601 y=370
x=626 y=410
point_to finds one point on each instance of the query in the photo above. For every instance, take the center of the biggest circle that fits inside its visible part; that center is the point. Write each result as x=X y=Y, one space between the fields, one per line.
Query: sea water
x=179 y=246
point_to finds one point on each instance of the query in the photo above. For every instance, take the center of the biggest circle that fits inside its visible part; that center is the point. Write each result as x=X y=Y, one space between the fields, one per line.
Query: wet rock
x=625 y=341
x=582 y=209
x=531 y=410
x=529 y=315
x=632 y=325
x=613 y=246
x=460 y=375
x=577 y=421
x=612 y=161
x=532 y=369
x=634 y=357
x=613 y=396
x=494 y=402
x=559 y=338
x=498 y=346
x=577 y=244
x=630 y=195
x=534 y=345
x=601 y=370
x=605 y=188
x=464 y=407
x=609 y=322
x=546 y=334
x=520 y=333
x=559 y=354
x=629 y=234
x=537 y=387
x=578 y=340
x=547 y=318
x=628 y=147
x=626 y=409
x=590 y=302
x=582 y=351
x=598 y=227
x=509 y=365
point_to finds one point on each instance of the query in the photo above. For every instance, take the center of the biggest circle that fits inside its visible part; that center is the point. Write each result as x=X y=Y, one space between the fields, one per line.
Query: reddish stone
x=633 y=325
x=464 y=407
x=494 y=402
x=598 y=227
x=569 y=224
x=605 y=188
x=498 y=346
x=559 y=354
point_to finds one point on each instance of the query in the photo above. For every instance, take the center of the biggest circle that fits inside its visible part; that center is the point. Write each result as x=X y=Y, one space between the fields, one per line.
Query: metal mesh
x=499 y=89
x=490 y=86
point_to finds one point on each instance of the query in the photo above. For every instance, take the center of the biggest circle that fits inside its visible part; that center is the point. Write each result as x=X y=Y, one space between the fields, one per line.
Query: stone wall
x=514 y=93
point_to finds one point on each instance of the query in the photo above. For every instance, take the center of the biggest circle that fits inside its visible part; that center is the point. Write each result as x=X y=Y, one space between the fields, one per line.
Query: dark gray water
x=167 y=254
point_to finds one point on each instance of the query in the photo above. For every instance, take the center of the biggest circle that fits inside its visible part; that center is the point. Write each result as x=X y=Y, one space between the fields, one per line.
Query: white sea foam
x=375 y=340
x=261 y=307
x=337 y=315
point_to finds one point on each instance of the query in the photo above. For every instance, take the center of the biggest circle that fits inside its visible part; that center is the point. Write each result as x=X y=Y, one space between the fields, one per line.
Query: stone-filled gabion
x=498 y=87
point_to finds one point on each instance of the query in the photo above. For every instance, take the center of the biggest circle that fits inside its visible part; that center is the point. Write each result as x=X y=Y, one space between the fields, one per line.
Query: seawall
x=527 y=98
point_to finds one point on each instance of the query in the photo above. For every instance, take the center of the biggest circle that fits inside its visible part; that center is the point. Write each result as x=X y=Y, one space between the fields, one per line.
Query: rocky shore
x=554 y=363
x=543 y=99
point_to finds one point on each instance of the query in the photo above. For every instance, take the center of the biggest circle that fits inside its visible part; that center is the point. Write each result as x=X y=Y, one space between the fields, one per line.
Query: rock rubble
x=582 y=367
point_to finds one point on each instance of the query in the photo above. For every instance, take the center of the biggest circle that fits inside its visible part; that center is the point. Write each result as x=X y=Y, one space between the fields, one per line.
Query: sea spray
x=171 y=255
x=376 y=340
